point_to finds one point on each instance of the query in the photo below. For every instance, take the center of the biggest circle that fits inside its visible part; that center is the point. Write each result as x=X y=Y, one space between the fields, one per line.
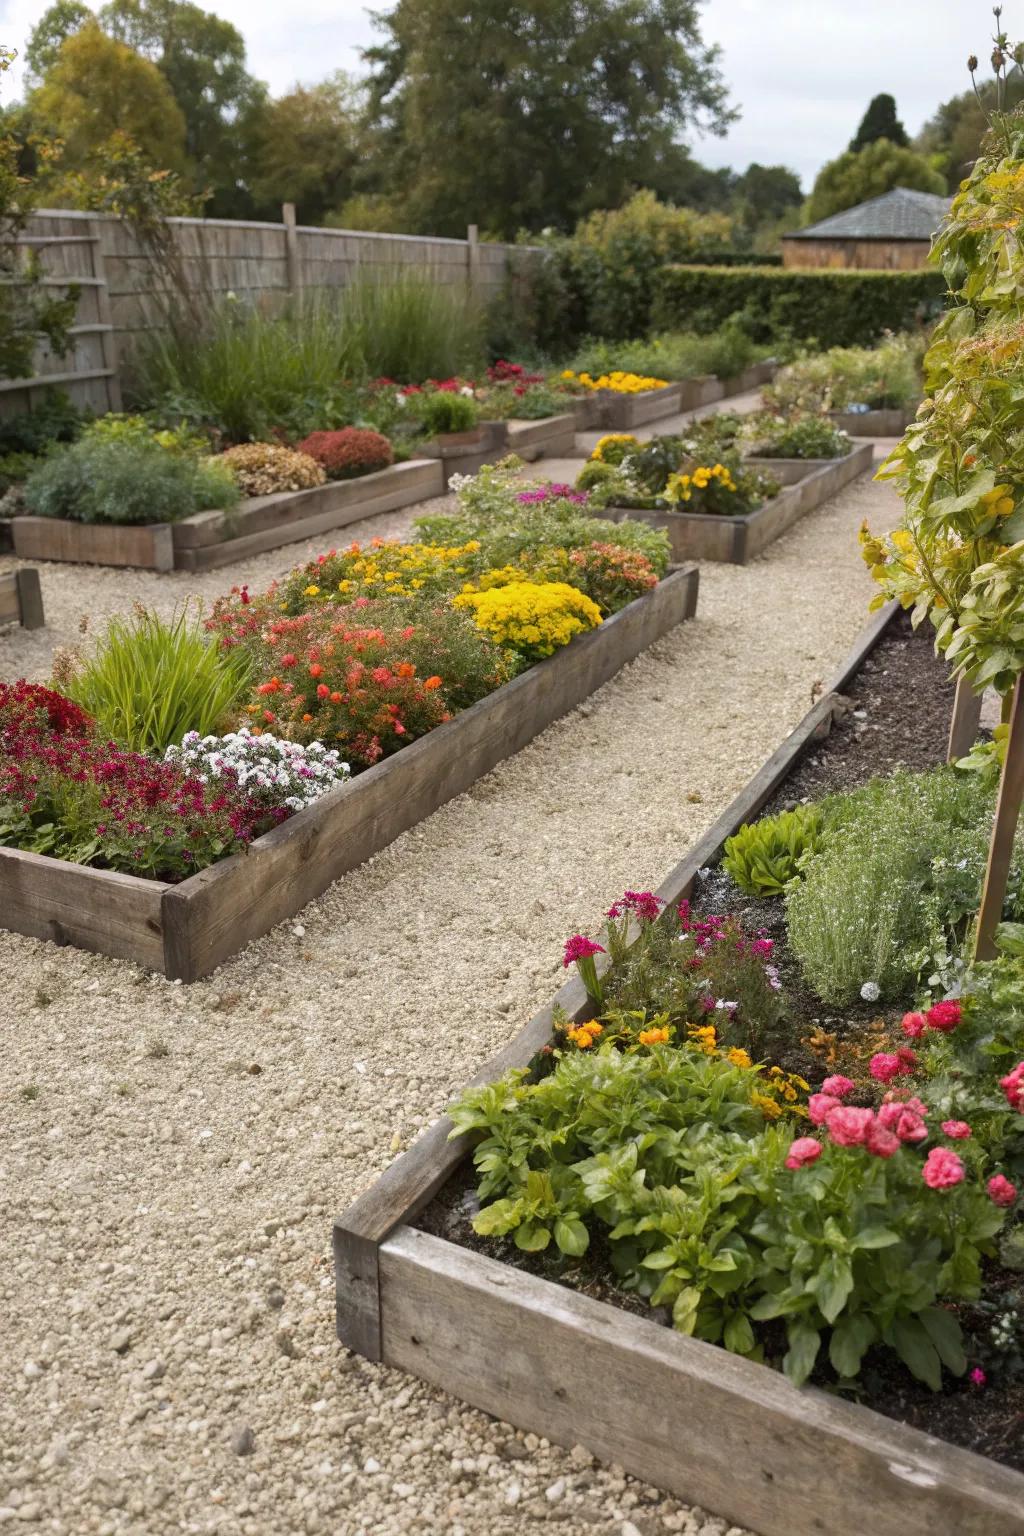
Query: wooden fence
x=258 y=263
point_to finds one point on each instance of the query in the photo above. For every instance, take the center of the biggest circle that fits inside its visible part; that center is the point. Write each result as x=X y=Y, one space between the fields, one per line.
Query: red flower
x=944 y=1016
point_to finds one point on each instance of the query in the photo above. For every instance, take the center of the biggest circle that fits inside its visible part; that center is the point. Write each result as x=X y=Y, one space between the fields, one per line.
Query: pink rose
x=903 y=1121
x=848 y=1126
x=1013 y=1086
x=838 y=1087
x=956 y=1130
x=942 y=1169
x=803 y=1151
x=943 y=1016
x=881 y=1142
x=819 y=1105
x=914 y=1025
x=1001 y=1191
x=884 y=1067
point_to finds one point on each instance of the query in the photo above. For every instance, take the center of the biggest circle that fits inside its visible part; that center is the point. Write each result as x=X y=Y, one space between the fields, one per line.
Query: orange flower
x=406 y=669
x=316 y=669
x=306 y=719
x=322 y=690
x=432 y=683
x=335 y=698
x=653 y=1037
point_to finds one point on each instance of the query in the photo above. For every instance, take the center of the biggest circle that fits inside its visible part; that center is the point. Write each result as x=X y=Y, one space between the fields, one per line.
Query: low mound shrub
x=127 y=479
x=264 y=469
x=444 y=411
x=348 y=453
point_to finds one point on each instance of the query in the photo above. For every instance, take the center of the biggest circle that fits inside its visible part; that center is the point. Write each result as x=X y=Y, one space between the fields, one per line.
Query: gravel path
x=172 y=1156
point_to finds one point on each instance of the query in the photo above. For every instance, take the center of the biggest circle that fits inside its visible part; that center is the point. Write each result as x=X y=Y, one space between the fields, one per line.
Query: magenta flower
x=884 y=1067
x=838 y=1086
x=944 y=1016
x=978 y=1376
x=914 y=1025
x=956 y=1130
x=579 y=947
x=820 y=1106
x=879 y=1141
x=848 y=1126
x=644 y=905
x=1001 y=1191
x=1013 y=1086
x=942 y=1169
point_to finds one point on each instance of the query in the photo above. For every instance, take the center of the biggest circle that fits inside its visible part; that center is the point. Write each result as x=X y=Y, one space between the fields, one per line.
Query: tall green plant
x=410 y=327
x=151 y=680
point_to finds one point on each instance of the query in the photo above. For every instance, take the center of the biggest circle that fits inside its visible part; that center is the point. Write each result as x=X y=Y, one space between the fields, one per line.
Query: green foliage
x=832 y=306
x=672 y=355
x=150 y=680
x=442 y=411
x=764 y=856
x=801 y=437
x=691 y=473
x=567 y=108
x=29 y=312
x=858 y=175
x=880 y=122
x=306 y=148
x=126 y=477
x=50 y=32
x=15 y=467
x=900 y=866
x=886 y=376
x=52 y=419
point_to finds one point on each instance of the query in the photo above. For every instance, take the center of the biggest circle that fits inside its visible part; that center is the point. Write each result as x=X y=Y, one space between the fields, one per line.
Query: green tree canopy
x=52 y=29
x=306 y=148
x=879 y=122
x=852 y=178
x=763 y=196
x=952 y=137
x=98 y=86
x=529 y=113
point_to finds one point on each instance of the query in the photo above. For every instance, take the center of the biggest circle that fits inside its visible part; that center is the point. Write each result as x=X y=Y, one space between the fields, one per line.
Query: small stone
x=371 y=1465
x=121 y=1343
x=243 y=1441
x=286 y=1344
x=695 y=797
x=555 y=1492
x=627 y=1528
x=32 y=1370
x=514 y=1450
x=254 y=1070
x=513 y=1493
x=299 y=931
x=153 y=1370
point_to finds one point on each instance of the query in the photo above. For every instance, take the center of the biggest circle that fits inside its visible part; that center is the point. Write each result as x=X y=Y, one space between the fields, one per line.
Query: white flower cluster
x=275 y=771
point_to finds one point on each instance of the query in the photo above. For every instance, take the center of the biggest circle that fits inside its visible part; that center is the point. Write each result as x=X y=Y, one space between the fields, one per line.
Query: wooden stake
x=293 y=264
x=1004 y=828
x=963 y=728
x=473 y=257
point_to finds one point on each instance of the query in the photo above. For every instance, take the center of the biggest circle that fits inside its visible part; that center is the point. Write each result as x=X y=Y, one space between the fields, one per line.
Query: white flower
x=871 y=991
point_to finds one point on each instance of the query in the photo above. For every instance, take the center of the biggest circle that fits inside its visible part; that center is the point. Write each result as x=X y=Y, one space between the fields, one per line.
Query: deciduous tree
x=852 y=178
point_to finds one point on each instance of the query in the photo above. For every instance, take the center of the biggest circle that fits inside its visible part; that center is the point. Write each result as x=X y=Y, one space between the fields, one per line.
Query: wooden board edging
x=145 y=545
x=412 y=1180
x=21 y=599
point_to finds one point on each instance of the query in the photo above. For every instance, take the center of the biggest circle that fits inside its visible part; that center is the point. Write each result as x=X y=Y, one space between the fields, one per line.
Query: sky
x=802 y=71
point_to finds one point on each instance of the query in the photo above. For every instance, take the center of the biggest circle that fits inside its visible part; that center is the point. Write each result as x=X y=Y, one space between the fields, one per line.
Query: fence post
x=1004 y=828
x=104 y=313
x=291 y=250
x=473 y=257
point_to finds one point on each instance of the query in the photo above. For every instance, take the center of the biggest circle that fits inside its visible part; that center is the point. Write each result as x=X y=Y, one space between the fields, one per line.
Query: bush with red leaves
x=349 y=452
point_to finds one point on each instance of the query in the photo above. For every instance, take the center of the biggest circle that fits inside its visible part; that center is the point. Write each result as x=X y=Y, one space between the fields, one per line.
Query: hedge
x=735 y=259
x=834 y=306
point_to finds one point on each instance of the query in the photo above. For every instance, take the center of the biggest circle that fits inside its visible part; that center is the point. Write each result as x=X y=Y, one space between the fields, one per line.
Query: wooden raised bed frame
x=209 y=539
x=187 y=930
x=623 y=413
x=714 y=1429
x=21 y=599
x=736 y=540
x=887 y=423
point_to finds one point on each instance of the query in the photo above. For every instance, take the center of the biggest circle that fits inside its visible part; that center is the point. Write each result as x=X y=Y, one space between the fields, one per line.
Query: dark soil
x=899 y=714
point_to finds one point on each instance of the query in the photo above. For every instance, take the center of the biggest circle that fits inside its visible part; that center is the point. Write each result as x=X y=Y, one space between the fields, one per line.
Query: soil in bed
x=899 y=714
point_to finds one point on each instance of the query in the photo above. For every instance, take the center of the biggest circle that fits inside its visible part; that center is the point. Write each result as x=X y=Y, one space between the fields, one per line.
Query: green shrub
x=126 y=479
x=806 y=437
x=444 y=411
x=900 y=867
x=150 y=680
x=884 y=377
x=764 y=856
x=833 y=306
x=52 y=419
x=672 y=354
x=409 y=327
x=15 y=467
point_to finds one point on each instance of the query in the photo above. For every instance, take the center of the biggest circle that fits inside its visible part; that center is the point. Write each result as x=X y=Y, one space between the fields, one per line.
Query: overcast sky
x=802 y=70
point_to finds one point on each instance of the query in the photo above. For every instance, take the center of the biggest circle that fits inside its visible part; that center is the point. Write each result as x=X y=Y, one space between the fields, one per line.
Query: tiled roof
x=901 y=214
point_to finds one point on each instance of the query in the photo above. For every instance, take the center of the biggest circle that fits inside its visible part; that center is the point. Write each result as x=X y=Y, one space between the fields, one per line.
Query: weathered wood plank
x=884 y=423
x=223 y=907
x=966 y=718
x=1004 y=831
x=94 y=909
x=30 y=598
x=52 y=538
x=711 y=1428
x=553 y=437
x=10 y=604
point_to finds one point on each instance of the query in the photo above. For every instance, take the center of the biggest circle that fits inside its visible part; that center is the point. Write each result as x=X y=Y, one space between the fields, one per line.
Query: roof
x=901 y=214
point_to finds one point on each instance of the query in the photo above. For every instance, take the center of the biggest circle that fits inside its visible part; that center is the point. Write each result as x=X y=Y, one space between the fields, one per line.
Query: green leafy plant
x=52 y=419
x=149 y=681
x=673 y=354
x=126 y=478
x=881 y=377
x=443 y=410
x=764 y=856
x=768 y=436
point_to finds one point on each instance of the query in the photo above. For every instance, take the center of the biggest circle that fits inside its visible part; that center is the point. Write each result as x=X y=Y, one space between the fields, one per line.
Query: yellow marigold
x=584 y=1035
x=653 y=1036
x=613 y=440
x=703 y=1036
x=738 y=1057
x=768 y=1107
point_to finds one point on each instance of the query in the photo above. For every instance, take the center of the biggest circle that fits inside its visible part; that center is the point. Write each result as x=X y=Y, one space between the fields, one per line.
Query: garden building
x=893 y=231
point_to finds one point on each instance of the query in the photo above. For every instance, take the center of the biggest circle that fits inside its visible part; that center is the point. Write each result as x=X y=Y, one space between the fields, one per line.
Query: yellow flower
x=653 y=1036
x=768 y=1107
x=703 y=1036
x=737 y=1057
x=584 y=1035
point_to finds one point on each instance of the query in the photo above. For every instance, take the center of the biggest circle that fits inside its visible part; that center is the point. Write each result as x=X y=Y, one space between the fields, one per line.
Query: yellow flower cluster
x=682 y=487
x=653 y=1037
x=584 y=1035
x=532 y=618
x=392 y=570
x=618 y=382
x=614 y=441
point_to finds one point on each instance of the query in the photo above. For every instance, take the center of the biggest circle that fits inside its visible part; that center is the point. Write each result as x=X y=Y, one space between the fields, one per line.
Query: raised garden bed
x=187 y=930
x=725 y=1432
x=209 y=539
x=464 y=453
x=623 y=413
x=21 y=599
x=553 y=437
x=891 y=423
x=736 y=540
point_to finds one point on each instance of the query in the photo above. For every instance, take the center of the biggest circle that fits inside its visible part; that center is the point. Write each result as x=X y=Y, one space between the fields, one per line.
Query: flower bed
x=882 y=423
x=546 y=1355
x=21 y=599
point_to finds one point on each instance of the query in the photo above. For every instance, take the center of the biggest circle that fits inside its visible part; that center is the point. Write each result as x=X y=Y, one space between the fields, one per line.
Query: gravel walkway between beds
x=171 y=1156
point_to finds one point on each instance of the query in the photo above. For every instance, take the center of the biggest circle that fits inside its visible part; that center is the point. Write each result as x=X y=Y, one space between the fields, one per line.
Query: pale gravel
x=166 y=1284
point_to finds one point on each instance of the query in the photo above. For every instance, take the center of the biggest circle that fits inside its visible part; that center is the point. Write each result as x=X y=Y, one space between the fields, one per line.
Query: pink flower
x=1001 y=1191
x=847 y=1126
x=881 y=1142
x=942 y=1169
x=978 y=1376
x=956 y=1130
x=579 y=947
x=819 y=1105
x=803 y=1151
x=914 y=1025
x=838 y=1087
x=907 y=1060
x=944 y=1016
x=903 y=1121
x=884 y=1067
x=644 y=905
x=1013 y=1086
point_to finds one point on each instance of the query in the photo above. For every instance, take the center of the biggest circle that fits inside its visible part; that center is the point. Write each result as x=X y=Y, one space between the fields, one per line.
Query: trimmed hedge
x=834 y=306
x=736 y=259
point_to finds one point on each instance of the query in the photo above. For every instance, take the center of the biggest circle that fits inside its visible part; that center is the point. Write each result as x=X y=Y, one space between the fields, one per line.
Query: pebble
x=243 y=1441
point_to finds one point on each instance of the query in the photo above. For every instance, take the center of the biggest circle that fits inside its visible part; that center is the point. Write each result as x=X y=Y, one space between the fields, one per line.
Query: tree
x=529 y=113
x=952 y=137
x=305 y=148
x=97 y=87
x=852 y=178
x=764 y=195
x=879 y=122
x=202 y=59
x=52 y=29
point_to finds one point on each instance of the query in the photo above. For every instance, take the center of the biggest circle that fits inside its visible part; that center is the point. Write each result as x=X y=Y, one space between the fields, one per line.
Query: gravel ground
x=172 y=1156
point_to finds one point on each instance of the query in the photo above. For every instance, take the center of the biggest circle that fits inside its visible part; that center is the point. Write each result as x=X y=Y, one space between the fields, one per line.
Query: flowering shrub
x=264 y=469
x=532 y=619
x=618 y=382
x=682 y=473
x=378 y=569
x=801 y=437
x=614 y=447
x=273 y=772
x=126 y=477
x=350 y=452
